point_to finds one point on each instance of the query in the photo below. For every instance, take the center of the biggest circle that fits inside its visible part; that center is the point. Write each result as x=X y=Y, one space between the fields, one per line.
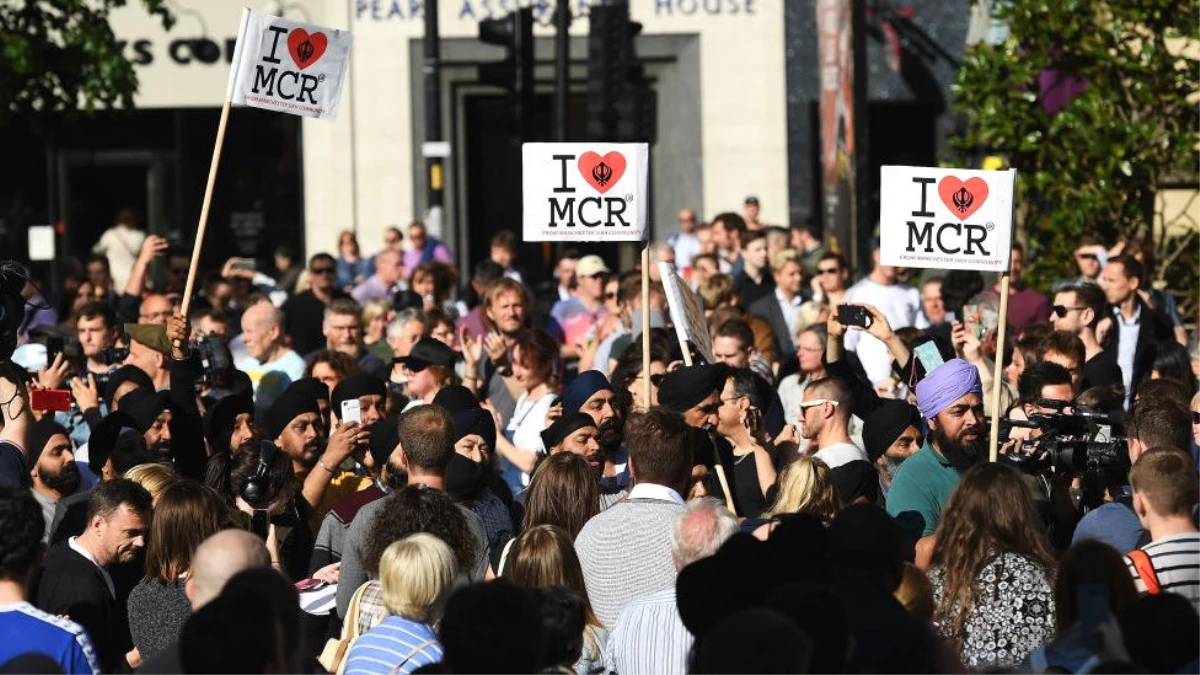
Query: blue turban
x=946 y=384
x=583 y=387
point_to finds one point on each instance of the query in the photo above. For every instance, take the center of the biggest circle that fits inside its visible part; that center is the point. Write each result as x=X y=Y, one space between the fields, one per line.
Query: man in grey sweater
x=625 y=551
x=426 y=435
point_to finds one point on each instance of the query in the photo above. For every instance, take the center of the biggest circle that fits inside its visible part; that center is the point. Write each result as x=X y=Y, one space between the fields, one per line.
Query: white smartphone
x=351 y=411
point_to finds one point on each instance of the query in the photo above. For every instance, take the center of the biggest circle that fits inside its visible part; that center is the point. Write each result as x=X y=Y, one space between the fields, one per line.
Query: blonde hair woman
x=806 y=486
x=156 y=478
x=415 y=575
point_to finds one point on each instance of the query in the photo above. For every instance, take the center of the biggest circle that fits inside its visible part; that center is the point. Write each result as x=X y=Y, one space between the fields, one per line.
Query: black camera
x=215 y=360
x=1076 y=442
x=114 y=356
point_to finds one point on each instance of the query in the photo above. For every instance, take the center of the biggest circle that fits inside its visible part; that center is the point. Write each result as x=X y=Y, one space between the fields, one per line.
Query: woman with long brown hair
x=545 y=556
x=535 y=369
x=563 y=493
x=992 y=570
x=185 y=514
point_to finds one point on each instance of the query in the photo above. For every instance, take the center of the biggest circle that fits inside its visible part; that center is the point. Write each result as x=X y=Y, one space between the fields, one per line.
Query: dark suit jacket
x=70 y=584
x=1153 y=328
x=767 y=309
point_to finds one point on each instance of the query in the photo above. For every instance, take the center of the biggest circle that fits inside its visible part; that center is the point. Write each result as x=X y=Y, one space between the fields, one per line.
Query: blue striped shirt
x=25 y=629
x=381 y=649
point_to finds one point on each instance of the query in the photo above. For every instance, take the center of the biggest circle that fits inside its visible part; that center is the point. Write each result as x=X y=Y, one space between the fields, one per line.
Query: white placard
x=687 y=311
x=289 y=66
x=41 y=242
x=585 y=191
x=955 y=219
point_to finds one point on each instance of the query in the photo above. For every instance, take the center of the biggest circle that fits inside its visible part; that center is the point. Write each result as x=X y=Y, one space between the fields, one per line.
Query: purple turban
x=946 y=384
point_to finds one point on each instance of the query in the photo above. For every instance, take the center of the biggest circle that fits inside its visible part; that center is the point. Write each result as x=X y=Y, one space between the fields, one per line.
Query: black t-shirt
x=305 y=314
x=13 y=471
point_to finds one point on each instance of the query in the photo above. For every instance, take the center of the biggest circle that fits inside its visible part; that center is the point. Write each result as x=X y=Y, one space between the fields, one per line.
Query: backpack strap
x=1144 y=566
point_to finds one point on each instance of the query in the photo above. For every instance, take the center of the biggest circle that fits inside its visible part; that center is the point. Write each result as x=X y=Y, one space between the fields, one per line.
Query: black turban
x=355 y=386
x=223 y=417
x=312 y=386
x=39 y=434
x=122 y=375
x=685 y=388
x=565 y=426
x=477 y=421
x=292 y=404
x=884 y=426
x=456 y=398
x=144 y=405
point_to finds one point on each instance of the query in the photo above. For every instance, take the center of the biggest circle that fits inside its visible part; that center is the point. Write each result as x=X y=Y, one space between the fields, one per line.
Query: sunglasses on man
x=1061 y=311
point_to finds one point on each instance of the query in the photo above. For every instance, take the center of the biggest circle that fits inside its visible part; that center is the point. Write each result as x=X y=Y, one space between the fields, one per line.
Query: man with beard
x=54 y=473
x=579 y=434
x=294 y=424
x=331 y=537
x=951 y=398
x=591 y=394
x=230 y=423
x=892 y=434
x=371 y=393
x=75 y=580
x=426 y=444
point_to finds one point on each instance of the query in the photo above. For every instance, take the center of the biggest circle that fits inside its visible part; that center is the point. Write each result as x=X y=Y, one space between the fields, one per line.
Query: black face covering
x=396 y=477
x=612 y=434
x=464 y=477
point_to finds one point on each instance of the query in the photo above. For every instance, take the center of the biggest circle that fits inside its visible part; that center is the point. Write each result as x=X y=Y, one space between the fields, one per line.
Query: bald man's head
x=220 y=557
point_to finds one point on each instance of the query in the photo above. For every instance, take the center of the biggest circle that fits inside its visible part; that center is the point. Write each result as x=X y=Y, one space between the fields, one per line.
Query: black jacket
x=1153 y=329
x=767 y=309
x=72 y=585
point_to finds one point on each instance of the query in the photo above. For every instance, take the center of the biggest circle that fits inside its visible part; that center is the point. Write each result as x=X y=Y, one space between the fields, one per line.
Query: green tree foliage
x=1093 y=167
x=59 y=58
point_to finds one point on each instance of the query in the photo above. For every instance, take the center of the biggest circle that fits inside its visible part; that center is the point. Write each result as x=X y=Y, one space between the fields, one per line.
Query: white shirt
x=1127 y=346
x=653 y=491
x=791 y=312
x=92 y=559
x=686 y=247
x=840 y=453
x=901 y=304
x=290 y=364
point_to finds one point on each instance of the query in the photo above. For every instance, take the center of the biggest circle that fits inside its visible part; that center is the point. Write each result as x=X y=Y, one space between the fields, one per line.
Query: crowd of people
x=367 y=465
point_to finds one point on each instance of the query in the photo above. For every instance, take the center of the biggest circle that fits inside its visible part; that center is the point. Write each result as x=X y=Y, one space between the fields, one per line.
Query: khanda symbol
x=305 y=50
x=963 y=199
x=602 y=173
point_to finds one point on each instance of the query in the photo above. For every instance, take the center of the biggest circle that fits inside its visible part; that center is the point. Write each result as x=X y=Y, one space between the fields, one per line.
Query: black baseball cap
x=429 y=352
x=751 y=200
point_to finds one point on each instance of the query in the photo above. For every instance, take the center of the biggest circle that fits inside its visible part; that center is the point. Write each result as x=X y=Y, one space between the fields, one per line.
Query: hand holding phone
x=351 y=411
x=50 y=399
x=854 y=315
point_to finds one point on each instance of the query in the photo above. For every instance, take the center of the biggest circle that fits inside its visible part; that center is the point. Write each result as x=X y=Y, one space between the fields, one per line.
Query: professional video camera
x=215 y=361
x=1079 y=441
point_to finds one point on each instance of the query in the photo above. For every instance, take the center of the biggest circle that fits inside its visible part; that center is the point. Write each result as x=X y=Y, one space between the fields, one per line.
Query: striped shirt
x=1176 y=561
x=397 y=645
x=25 y=629
x=649 y=637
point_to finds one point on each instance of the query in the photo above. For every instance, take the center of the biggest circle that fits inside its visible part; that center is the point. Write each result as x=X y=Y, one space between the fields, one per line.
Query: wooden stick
x=646 y=326
x=998 y=370
x=208 y=191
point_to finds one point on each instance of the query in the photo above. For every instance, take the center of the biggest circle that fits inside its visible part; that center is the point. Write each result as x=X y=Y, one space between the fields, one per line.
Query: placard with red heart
x=963 y=198
x=602 y=173
x=306 y=49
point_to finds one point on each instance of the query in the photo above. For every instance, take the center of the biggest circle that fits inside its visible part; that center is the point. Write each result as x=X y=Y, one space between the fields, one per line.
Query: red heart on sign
x=602 y=172
x=306 y=49
x=961 y=198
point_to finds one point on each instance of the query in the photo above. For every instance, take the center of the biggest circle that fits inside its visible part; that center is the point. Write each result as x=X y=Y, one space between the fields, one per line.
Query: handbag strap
x=415 y=650
x=350 y=627
x=1144 y=566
